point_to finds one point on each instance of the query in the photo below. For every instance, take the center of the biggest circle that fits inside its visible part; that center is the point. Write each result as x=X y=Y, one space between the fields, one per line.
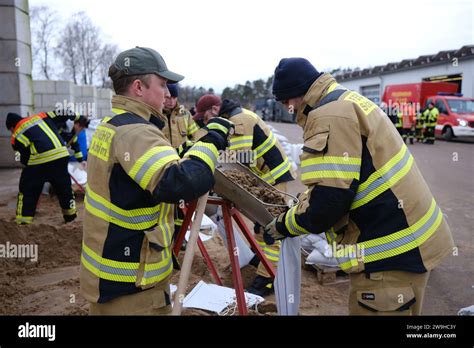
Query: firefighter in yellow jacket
x=135 y=178
x=257 y=147
x=364 y=190
x=181 y=126
x=430 y=116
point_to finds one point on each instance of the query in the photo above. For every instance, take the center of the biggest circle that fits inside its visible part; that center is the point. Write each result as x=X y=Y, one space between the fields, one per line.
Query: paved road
x=448 y=168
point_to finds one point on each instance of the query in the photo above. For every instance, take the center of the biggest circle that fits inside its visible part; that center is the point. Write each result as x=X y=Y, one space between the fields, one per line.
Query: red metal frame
x=229 y=212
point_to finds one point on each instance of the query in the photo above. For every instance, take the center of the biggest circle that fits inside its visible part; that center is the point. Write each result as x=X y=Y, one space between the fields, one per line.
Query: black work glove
x=219 y=130
x=257 y=228
x=271 y=234
x=184 y=147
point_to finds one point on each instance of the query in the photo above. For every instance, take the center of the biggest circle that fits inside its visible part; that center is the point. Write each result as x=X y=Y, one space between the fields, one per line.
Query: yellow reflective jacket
x=127 y=232
x=255 y=143
x=364 y=188
x=431 y=117
x=181 y=126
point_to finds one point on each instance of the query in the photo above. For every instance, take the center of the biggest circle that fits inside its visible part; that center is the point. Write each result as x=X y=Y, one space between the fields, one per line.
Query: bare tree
x=68 y=52
x=109 y=52
x=82 y=51
x=43 y=27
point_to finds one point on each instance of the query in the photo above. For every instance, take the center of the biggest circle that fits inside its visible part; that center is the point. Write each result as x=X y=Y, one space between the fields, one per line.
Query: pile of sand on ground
x=50 y=286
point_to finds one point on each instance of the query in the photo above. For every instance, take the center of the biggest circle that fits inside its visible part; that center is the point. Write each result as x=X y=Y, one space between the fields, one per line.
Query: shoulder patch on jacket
x=125 y=119
x=333 y=96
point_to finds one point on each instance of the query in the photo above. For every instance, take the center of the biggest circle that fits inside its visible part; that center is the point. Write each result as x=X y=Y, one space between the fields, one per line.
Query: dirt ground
x=50 y=286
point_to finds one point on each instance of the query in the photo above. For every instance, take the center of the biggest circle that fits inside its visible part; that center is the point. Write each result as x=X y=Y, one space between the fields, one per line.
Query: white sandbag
x=78 y=172
x=306 y=243
x=245 y=253
x=467 y=311
x=322 y=247
x=317 y=258
x=288 y=278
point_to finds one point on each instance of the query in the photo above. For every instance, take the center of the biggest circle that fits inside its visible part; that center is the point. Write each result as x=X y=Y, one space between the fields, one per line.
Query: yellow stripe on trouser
x=48 y=156
x=205 y=151
x=19 y=212
x=70 y=211
x=151 y=162
x=384 y=178
x=272 y=252
x=330 y=167
x=238 y=142
x=134 y=219
x=393 y=244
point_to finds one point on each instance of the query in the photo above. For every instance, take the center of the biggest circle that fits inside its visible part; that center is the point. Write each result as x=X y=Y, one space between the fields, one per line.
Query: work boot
x=261 y=286
x=69 y=218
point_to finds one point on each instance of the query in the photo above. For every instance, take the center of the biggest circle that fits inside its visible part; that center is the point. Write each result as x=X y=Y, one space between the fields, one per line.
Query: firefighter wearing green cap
x=135 y=177
x=364 y=190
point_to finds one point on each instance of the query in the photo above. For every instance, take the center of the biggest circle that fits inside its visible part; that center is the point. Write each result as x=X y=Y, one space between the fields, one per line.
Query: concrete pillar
x=16 y=85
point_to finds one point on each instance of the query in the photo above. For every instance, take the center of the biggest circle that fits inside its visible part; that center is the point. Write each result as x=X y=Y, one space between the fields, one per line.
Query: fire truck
x=456 y=113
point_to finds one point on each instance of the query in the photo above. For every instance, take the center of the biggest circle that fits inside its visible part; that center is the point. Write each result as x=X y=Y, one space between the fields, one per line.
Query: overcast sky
x=222 y=43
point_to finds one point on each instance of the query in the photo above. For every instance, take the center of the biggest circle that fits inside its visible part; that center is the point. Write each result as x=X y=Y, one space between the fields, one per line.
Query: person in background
x=44 y=154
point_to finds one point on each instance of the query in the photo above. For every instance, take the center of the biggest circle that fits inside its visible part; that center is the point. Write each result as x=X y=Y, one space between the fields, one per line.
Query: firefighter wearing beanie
x=364 y=191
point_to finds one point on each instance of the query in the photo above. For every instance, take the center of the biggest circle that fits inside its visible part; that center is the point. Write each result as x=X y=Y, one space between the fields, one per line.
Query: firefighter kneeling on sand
x=45 y=157
x=135 y=178
x=364 y=190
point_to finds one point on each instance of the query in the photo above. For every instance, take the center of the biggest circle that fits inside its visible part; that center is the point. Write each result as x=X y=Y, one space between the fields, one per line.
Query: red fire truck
x=456 y=113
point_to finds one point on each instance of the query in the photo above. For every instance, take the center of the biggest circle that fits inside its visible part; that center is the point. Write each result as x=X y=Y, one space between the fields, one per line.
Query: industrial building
x=455 y=66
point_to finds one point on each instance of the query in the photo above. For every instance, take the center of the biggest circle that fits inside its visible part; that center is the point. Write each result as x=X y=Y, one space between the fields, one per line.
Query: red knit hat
x=205 y=103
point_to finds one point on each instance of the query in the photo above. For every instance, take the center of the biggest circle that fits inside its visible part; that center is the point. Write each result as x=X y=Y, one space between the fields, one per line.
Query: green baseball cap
x=141 y=61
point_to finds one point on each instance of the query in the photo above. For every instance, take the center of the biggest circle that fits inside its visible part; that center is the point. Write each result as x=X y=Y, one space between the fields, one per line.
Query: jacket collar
x=314 y=94
x=136 y=107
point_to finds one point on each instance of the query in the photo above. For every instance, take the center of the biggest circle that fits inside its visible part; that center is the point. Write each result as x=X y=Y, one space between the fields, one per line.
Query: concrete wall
x=87 y=100
x=16 y=87
x=465 y=67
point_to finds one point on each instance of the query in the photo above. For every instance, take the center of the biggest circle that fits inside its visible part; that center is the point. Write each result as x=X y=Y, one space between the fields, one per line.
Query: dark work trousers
x=31 y=184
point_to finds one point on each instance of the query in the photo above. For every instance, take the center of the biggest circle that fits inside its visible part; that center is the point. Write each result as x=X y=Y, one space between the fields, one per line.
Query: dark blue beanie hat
x=293 y=77
x=173 y=88
x=12 y=120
